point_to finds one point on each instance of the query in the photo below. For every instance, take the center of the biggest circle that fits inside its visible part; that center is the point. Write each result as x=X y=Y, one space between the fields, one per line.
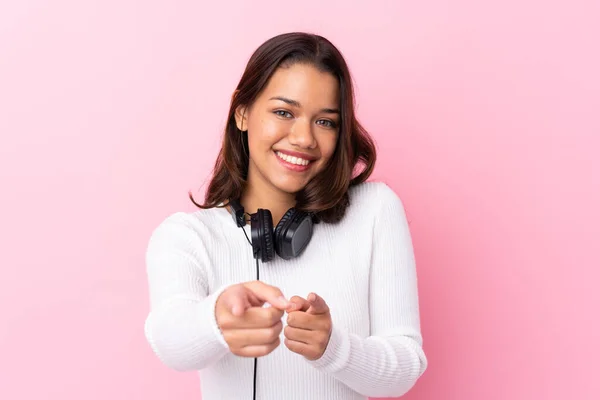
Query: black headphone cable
x=255 y=358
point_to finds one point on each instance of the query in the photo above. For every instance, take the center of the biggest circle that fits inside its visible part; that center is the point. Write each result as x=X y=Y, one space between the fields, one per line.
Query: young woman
x=296 y=278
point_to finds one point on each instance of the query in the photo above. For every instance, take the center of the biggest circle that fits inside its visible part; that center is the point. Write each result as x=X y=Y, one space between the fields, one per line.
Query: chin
x=289 y=187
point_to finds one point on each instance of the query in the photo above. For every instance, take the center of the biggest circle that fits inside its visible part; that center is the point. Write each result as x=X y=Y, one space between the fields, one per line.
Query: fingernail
x=312 y=297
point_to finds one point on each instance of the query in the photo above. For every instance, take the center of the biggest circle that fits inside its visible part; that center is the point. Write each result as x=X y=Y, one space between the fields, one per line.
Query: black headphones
x=289 y=238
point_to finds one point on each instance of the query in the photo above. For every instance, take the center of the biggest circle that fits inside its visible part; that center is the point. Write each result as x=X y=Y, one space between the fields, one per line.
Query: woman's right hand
x=250 y=329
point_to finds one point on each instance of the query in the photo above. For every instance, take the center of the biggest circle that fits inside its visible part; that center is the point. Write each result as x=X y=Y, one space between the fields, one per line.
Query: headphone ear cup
x=266 y=234
x=280 y=230
x=293 y=233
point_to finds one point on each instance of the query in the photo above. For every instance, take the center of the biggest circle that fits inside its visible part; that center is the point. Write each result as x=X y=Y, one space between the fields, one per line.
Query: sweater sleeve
x=181 y=326
x=390 y=361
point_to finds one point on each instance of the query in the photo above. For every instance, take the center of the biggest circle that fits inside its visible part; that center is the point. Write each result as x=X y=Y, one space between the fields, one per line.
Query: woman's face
x=292 y=126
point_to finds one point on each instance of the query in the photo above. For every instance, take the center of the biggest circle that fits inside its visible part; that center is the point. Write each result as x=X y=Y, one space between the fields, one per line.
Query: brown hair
x=326 y=195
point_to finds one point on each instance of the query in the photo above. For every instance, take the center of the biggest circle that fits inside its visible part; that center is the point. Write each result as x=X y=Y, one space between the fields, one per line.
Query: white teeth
x=291 y=159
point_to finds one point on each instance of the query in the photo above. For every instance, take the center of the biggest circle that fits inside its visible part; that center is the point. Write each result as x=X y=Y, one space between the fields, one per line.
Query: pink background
x=487 y=120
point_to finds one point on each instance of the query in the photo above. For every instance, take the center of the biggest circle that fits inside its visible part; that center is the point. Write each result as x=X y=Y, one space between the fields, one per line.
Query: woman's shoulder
x=376 y=209
x=374 y=194
x=372 y=203
x=189 y=224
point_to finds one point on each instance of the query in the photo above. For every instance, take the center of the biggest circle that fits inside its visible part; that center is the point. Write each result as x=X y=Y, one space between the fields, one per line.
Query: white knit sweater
x=363 y=267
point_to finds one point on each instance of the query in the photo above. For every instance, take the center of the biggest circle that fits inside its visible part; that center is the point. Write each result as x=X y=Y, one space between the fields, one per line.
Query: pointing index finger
x=254 y=318
x=269 y=294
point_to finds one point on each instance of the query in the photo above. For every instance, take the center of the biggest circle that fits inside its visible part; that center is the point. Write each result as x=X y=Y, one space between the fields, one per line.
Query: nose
x=302 y=135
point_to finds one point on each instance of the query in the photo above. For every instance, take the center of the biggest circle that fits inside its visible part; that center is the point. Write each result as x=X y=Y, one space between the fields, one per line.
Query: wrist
x=337 y=352
x=213 y=299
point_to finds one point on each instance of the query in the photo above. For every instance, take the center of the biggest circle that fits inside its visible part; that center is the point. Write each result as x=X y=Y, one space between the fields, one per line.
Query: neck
x=261 y=195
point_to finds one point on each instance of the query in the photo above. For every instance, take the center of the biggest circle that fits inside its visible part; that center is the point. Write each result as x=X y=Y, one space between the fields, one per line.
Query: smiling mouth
x=292 y=160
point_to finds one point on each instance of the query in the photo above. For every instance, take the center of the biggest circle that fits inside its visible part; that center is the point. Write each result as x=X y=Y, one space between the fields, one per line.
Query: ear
x=241 y=118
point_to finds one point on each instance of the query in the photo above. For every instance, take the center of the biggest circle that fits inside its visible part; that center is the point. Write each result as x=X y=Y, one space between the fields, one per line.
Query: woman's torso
x=335 y=265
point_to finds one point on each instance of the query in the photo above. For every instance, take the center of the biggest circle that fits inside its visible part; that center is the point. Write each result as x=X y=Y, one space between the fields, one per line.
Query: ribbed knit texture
x=363 y=267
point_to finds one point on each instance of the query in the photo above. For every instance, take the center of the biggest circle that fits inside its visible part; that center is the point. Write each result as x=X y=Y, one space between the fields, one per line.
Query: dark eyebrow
x=297 y=104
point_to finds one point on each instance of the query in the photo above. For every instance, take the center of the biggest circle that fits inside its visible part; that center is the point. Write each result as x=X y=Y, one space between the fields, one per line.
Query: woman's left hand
x=308 y=326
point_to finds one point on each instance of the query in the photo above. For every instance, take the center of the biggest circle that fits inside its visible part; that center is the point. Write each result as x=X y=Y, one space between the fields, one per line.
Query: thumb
x=317 y=304
x=239 y=303
x=297 y=303
x=268 y=293
x=239 y=299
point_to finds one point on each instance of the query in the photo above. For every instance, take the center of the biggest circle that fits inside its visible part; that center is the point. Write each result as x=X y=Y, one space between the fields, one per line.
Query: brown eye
x=326 y=123
x=283 y=113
